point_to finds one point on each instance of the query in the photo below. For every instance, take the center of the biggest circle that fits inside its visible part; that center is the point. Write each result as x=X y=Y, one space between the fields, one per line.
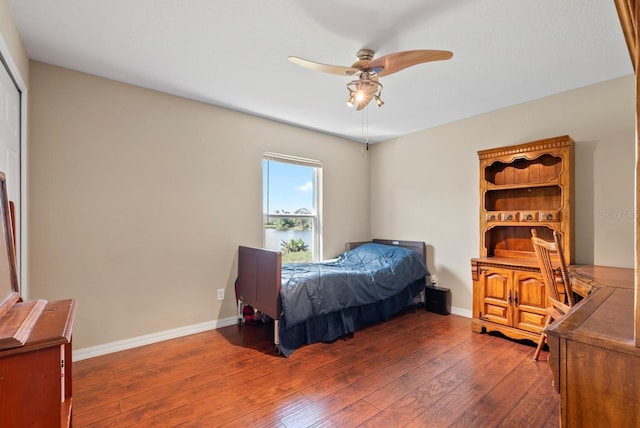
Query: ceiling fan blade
x=325 y=68
x=395 y=62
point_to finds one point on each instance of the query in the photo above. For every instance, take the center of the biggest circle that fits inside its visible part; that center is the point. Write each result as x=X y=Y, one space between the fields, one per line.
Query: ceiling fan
x=367 y=70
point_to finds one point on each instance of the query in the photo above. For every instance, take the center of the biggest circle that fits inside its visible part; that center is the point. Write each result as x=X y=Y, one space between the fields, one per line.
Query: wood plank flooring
x=418 y=369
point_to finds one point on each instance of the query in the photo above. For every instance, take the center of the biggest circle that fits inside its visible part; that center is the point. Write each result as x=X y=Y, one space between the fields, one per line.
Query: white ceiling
x=233 y=53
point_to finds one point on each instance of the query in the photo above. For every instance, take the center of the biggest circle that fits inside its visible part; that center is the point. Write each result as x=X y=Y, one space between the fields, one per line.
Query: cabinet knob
x=493 y=217
x=510 y=217
x=549 y=216
x=529 y=217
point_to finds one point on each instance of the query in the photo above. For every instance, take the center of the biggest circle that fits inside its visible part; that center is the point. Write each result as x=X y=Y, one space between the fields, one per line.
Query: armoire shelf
x=551 y=182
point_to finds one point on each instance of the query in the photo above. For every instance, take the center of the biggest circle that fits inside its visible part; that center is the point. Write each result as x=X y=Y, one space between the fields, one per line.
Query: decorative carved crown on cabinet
x=522 y=187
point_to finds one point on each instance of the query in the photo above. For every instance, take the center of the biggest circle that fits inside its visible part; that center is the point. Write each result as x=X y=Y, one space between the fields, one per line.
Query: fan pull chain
x=362 y=131
x=365 y=141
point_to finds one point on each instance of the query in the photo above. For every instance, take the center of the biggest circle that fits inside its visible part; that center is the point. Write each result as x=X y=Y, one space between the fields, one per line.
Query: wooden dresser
x=595 y=364
x=35 y=346
x=35 y=378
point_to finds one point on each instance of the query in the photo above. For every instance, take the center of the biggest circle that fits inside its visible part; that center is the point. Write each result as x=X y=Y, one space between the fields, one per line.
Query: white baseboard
x=134 y=342
x=462 y=312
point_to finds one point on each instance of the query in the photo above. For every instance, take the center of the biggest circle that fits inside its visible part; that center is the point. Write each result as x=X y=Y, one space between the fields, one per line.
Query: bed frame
x=259 y=279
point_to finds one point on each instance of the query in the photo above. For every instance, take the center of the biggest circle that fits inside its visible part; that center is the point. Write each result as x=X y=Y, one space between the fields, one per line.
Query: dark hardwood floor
x=419 y=369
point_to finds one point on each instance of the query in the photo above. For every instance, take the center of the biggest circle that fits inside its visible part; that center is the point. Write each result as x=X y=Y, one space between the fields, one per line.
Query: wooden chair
x=557 y=306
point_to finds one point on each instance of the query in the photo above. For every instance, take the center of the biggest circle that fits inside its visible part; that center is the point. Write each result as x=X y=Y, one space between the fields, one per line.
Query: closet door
x=10 y=121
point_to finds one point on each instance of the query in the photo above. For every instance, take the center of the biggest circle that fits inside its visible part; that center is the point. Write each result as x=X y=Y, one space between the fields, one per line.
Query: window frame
x=316 y=219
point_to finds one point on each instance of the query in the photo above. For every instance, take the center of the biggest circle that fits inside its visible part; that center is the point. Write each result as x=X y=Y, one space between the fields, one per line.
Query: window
x=291 y=207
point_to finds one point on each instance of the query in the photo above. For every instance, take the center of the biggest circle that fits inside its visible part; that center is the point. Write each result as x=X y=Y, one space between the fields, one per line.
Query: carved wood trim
x=549 y=143
x=478 y=266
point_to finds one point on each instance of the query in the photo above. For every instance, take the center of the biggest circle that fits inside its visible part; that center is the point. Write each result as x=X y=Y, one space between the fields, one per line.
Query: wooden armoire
x=522 y=187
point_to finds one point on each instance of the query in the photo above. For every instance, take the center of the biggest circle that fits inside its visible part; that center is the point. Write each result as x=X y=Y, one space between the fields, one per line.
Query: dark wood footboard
x=259 y=280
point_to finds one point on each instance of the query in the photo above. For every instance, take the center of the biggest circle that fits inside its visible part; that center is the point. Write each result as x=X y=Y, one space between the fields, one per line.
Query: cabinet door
x=497 y=295
x=529 y=301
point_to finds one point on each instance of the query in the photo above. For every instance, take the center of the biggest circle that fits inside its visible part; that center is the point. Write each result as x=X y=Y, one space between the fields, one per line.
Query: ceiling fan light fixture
x=363 y=90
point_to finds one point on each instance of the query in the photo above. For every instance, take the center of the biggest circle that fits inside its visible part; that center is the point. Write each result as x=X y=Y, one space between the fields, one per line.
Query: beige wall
x=139 y=200
x=425 y=186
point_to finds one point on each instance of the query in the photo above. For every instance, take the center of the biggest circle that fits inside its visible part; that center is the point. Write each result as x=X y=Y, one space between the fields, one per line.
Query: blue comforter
x=366 y=274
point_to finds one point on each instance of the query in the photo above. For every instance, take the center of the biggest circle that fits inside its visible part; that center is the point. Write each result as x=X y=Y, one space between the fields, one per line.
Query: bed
x=321 y=302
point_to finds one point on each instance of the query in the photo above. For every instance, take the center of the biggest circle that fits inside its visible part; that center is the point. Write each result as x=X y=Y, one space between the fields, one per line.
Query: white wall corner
x=461 y=311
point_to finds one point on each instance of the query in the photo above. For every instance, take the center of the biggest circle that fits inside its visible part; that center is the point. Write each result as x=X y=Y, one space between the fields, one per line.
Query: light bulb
x=351 y=101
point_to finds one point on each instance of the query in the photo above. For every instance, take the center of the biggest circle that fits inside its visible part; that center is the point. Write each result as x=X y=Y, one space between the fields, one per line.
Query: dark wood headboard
x=417 y=246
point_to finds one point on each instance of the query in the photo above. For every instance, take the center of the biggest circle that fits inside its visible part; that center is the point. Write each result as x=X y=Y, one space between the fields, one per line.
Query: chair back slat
x=544 y=251
x=556 y=307
x=563 y=269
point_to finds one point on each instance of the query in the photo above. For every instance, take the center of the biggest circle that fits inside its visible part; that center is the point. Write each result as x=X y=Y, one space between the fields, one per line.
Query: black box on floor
x=437 y=300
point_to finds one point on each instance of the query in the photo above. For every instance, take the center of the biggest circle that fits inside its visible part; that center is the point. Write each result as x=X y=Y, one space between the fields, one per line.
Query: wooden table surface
x=593 y=356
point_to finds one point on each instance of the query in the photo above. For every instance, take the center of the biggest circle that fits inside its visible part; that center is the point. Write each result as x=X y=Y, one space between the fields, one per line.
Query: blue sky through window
x=287 y=186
